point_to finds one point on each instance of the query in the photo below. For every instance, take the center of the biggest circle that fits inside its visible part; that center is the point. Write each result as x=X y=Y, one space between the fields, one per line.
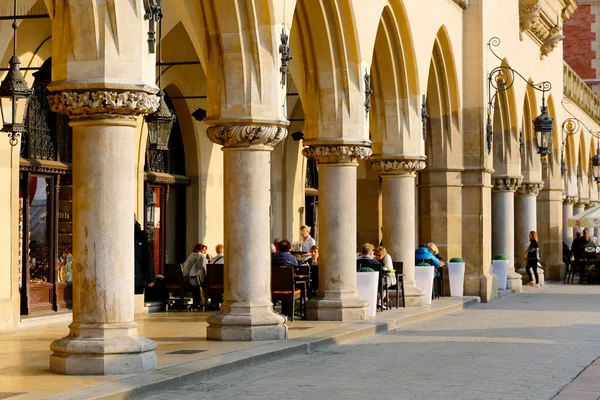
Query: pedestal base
x=246 y=324
x=349 y=309
x=514 y=281
x=97 y=349
x=414 y=297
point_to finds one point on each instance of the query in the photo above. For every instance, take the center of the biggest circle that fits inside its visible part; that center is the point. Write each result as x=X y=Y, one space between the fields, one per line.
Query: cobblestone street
x=524 y=346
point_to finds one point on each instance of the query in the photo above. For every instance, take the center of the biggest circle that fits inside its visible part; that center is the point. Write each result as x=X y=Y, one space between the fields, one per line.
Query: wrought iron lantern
x=501 y=79
x=570 y=127
x=160 y=123
x=14 y=93
x=543 y=126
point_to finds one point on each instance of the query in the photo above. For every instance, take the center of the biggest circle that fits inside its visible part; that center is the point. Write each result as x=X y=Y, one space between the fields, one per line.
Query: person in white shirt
x=219 y=258
x=307 y=242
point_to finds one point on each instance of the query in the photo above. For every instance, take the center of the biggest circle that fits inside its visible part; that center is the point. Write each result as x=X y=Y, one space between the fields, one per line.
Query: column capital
x=506 y=183
x=570 y=200
x=530 y=188
x=336 y=154
x=581 y=202
x=102 y=104
x=397 y=166
x=246 y=135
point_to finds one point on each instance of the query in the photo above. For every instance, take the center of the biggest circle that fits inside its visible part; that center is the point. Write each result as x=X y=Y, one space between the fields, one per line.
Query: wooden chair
x=283 y=288
x=399 y=267
x=302 y=273
x=214 y=285
x=175 y=282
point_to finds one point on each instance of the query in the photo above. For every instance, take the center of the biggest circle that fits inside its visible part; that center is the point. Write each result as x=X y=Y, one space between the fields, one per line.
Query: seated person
x=284 y=257
x=314 y=255
x=423 y=253
x=366 y=258
x=219 y=258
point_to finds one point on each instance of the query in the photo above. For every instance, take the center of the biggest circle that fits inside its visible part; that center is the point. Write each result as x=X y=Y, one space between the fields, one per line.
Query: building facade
x=387 y=102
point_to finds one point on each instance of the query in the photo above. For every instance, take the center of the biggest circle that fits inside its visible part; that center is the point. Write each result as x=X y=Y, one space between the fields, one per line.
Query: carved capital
x=506 y=183
x=546 y=31
x=246 y=135
x=530 y=188
x=397 y=167
x=570 y=200
x=103 y=104
x=336 y=154
x=581 y=202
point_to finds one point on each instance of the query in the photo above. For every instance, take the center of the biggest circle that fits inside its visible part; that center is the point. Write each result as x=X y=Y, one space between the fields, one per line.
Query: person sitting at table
x=219 y=258
x=276 y=245
x=284 y=257
x=436 y=252
x=423 y=253
x=366 y=257
x=383 y=257
x=307 y=241
x=314 y=255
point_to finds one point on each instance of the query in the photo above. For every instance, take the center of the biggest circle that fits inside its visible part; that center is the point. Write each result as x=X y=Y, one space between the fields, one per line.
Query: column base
x=329 y=308
x=485 y=286
x=514 y=281
x=246 y=323
x=103 y=349
x=414 y=297
x=555 y=272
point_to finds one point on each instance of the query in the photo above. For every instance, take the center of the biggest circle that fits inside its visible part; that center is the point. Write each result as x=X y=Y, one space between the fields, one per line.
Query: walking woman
x=533 y=256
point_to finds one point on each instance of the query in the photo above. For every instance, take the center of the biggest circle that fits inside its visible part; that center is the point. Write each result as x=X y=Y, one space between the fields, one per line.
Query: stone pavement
x=184 y=355
x=525 y=346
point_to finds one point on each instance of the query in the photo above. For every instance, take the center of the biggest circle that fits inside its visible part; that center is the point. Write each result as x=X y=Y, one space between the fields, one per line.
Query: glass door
x=38 y=275
x=154 y=229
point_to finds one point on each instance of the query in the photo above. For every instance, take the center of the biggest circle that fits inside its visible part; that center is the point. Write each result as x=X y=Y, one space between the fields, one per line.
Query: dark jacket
x=368 y=262
x=144 y=260
x=282 y=259
x=578 y=247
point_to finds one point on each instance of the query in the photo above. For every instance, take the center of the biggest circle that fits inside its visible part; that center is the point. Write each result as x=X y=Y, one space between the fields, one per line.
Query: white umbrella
x=589 y=218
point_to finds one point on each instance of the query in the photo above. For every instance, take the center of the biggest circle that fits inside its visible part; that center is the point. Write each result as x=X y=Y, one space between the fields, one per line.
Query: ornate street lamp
x=14 y=93
x=160 y=122
x=570 y=127
x=501 y=79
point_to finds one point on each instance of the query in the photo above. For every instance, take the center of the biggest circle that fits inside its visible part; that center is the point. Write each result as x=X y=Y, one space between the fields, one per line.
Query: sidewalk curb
x=177 y=376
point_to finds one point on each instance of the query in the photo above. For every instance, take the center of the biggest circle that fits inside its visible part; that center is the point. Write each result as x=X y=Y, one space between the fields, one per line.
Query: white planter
x=501 y=270
x=366 y=285
x=424 y=281
x=456 y=274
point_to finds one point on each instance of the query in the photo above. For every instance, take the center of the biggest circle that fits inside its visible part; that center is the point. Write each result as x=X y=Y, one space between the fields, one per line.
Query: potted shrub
x=366 y=286
x=500 y=268
x=424 y=273
x=456 y=274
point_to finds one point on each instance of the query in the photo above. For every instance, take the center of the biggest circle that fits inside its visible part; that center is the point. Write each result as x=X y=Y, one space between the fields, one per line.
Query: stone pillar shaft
x=247 y=312
x=503 y=224
x=337 y=299
x=398 y=180
x=568 y=232
x=103 y=337
x=525 y=215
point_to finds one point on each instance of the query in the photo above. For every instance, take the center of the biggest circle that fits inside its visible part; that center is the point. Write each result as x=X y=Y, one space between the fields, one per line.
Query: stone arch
x=443 y=140
x=530 y=161
x=327 y=71
x=506 y=137
x=395 y=103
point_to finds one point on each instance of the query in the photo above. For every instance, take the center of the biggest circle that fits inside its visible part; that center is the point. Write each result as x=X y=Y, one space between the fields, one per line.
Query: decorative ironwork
x=153 y=14
x=368 y=91
x=501 y=79
x=284 y=50
x=424 y=116
x=38 y=142
x=158 y=160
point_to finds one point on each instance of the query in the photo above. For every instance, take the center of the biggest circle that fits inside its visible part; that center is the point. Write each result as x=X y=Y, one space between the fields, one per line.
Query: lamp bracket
x=153 y=13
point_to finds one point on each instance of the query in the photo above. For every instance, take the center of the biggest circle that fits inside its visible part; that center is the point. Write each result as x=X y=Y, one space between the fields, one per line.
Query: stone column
x=579 y=207
x=503 y=224
x=398 y=180
x=525 y=215
x=525 y=220
x=103 y=337
x=568 y=213
x=247 y=311
x=337 y=299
